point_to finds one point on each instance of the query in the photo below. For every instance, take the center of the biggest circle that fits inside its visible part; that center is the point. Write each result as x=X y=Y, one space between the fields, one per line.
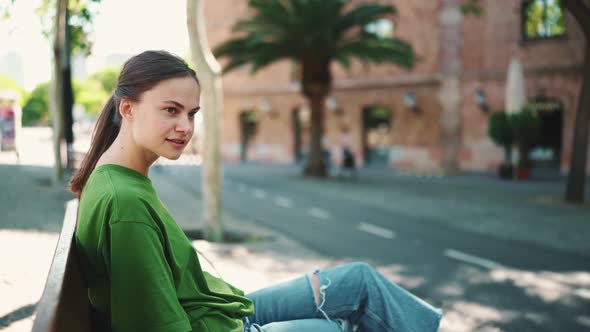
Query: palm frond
x=376 y=50
x=254 y=50
x=296 y=29
x=269 y=18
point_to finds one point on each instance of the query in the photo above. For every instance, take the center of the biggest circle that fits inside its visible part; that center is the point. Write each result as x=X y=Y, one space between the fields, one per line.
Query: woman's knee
x=361 y=267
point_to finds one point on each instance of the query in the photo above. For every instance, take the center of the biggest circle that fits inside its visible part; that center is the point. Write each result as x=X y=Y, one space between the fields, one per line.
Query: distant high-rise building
x=116 y=60
x=79 y=70
x=11 y=65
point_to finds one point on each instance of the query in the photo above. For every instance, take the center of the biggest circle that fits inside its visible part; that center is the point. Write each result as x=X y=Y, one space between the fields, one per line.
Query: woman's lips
x=177 y=143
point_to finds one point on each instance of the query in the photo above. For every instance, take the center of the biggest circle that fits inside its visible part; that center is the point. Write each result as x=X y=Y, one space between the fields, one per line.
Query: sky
x=121 y=27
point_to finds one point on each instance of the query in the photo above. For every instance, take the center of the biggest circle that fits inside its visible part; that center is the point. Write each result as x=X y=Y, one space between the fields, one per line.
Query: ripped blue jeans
x=353 y=294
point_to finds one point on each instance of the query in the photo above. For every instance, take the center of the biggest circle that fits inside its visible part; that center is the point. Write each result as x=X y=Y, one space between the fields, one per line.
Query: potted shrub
x=527 y=133
x=501 y=133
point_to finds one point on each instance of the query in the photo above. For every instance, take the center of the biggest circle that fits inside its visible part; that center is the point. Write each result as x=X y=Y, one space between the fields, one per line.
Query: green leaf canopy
x=312 y=32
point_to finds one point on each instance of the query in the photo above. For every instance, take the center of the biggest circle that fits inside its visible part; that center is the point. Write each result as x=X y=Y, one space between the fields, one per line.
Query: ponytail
x=104 y=134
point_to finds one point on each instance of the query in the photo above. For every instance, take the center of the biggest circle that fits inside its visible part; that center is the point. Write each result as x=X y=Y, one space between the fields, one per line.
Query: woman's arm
x=143 y=293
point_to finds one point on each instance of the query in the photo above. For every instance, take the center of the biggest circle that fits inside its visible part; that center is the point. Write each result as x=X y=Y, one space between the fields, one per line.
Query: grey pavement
x=31 y=214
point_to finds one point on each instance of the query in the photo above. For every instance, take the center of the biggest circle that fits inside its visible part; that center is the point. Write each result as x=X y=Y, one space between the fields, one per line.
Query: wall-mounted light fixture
x=410 y=101
x=304 y=114
x=266 y=107
x=481 y=100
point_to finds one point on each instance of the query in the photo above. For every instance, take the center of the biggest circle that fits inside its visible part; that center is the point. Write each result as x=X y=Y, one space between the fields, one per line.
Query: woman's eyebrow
x=179 y=105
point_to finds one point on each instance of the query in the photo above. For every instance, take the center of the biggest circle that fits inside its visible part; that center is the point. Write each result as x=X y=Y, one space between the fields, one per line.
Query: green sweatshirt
x=142 y=272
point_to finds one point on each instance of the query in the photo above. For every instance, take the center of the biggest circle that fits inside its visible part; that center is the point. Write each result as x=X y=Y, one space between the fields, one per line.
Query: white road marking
x=582 y=320
x=583 y=293
x=259 y=193
x=319 y=213
x=283 y=202
x=376 y=230
x=455 y=254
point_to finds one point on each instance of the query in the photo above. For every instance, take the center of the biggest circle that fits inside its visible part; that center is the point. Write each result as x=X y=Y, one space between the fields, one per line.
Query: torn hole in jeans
x=322 y=299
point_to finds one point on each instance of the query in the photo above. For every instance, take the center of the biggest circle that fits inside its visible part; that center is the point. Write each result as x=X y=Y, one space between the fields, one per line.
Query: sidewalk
x=31 y=214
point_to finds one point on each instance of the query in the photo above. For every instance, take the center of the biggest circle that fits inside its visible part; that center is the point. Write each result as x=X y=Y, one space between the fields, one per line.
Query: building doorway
x=376 y=134
x=300 y=119
x=547 y=156
x=248 y=127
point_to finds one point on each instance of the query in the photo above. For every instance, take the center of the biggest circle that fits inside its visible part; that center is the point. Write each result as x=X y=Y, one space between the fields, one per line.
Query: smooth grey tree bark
x=209 y=72
x=580 y=9
x=56 y=89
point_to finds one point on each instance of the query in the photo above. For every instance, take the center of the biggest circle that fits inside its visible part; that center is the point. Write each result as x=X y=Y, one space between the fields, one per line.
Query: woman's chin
x=173 y=157
x=170 y=155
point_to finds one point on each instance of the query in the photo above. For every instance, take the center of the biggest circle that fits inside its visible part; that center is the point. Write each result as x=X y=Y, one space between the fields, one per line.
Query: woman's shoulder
x=124 y=198
x=102 y=183
x=121 y=180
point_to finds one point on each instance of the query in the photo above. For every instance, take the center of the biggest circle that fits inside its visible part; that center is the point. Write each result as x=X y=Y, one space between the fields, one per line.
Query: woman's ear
x=126 y=108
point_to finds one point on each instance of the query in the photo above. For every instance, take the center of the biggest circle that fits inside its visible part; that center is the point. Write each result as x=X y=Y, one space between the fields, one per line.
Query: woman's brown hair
x=139 y=74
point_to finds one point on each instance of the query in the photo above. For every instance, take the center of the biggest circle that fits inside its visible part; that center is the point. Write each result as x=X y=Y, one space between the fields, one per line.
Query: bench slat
x=64 y=304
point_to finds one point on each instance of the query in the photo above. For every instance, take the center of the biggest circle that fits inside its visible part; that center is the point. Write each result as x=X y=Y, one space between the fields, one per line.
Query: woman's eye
x=192 y=114
x=171 y=110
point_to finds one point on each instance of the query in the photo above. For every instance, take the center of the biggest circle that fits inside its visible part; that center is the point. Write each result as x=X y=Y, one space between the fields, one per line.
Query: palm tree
x=313 y=33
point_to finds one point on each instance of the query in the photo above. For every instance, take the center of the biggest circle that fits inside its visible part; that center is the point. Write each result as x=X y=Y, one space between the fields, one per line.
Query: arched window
x=542 y=19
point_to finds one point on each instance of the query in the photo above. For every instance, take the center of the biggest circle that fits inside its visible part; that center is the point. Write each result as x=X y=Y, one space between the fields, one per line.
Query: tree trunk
x=316 y=165
x=577 y=174
x=507 y=154
x=209 y=72
x=316 y=84
x=580 y=10
x=67 y=94
x=56 y=100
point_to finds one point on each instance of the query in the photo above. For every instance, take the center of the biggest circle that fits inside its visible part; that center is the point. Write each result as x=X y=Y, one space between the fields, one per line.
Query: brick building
x=431 y=117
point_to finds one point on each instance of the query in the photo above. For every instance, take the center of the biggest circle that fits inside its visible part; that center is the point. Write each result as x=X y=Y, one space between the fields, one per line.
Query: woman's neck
x=126 y=153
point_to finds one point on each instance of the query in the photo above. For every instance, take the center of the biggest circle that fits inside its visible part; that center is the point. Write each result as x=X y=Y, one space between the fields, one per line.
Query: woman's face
x=163 y=118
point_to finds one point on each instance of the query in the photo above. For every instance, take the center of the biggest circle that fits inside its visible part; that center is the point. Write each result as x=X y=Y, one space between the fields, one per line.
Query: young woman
x=141 y=270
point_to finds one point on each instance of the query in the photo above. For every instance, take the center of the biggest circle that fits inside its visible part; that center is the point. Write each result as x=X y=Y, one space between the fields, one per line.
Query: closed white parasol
x=515 y=86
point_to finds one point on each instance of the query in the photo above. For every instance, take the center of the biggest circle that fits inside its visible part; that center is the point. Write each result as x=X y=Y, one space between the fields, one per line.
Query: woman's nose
x=183 y=125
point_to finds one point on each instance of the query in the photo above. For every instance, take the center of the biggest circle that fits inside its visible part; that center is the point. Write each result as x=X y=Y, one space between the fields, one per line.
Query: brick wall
x=488 y=43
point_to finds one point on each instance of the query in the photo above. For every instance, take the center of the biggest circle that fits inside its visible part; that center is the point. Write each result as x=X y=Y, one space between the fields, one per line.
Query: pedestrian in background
x=348 y=163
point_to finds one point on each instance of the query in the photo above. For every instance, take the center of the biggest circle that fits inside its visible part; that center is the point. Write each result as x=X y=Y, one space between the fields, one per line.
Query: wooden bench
x=64 y=305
